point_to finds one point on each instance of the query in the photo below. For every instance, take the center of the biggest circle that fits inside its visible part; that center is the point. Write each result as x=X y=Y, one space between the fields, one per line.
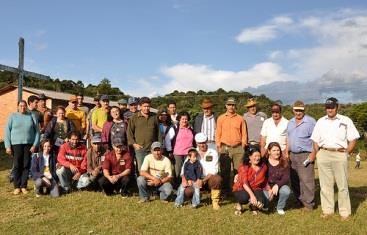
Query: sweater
x=22 y=129
x=76 y=156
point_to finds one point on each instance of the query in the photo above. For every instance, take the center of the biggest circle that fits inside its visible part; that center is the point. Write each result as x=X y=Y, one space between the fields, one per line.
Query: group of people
x=254 y=158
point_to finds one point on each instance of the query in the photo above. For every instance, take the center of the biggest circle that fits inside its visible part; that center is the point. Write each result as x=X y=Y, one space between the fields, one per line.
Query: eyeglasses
x=230 y=104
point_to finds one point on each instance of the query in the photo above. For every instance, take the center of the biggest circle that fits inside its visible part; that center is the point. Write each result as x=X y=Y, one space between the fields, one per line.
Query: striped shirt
x=208 y=127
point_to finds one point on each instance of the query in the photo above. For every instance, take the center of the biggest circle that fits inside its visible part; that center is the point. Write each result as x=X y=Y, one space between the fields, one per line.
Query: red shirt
x=115 y=166
x=254 y=179
x=76 y=156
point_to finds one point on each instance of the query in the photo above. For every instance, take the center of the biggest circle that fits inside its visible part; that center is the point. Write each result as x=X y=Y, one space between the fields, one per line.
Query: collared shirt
x=208 y=127
x=231 y=130
x=158 y=168
x=254 y=125
x=275 y=133
x=299 y=134
x=143 y=131
x=334 y=133
x=209 y=162
x=115 y=166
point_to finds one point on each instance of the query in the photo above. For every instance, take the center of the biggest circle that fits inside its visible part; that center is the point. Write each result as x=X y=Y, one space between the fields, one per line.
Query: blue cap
x=104 y=97
x=132 y=100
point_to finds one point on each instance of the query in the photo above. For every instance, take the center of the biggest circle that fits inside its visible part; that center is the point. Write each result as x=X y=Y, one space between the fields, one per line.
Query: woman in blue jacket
x=43 y=169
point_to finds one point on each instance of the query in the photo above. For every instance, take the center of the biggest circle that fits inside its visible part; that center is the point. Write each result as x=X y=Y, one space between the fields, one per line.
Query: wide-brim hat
x=250 y=102
x=206 y=103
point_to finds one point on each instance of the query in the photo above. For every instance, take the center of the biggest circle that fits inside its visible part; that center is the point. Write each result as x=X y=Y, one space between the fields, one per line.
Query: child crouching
x=191 y=177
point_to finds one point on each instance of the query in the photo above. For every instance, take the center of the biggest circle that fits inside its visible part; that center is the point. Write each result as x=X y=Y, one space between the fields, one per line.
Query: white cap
x=200 y=137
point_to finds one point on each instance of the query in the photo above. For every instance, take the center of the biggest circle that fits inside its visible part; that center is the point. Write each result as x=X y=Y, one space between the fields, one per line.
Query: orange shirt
x=231 y=130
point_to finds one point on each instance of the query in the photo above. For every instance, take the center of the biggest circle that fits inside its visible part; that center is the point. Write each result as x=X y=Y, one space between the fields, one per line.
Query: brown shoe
x=16 y=191
x=24 y=190
x=326 y=216
x=345 y=218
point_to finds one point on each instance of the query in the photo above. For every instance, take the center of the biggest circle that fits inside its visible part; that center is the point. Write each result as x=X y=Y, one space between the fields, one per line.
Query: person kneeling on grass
x=278 y=176
x=192 y=177
x=117 y=167
x=72 y=162
x=95 y=157
x=43 y=169
x=156 y=174
x=251 y=183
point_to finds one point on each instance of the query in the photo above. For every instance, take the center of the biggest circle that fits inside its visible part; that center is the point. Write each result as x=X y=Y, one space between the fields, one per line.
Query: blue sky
x=155 y=47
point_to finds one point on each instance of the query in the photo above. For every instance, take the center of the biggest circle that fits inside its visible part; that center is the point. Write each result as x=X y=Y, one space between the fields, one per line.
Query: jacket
x=76 y=156
x=38 y=165
x=198 y=122
x=49 y=132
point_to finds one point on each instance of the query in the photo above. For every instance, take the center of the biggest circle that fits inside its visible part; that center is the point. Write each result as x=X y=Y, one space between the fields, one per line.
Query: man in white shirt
x=209 y=160
x=274 y=129
x=334 y=137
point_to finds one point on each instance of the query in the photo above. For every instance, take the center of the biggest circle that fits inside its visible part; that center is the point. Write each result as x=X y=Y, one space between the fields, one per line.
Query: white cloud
x=265 y=32
x=40 y=46
x=258 y=34
x=185 y=77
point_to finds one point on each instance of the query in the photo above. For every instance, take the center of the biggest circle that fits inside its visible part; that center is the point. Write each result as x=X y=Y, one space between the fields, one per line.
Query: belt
x=300 y=152
x=342 y=150
x=231 y=146
x=254 y=143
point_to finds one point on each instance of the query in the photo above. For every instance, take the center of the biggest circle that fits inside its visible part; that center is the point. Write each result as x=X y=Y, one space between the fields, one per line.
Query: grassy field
x=93 y=213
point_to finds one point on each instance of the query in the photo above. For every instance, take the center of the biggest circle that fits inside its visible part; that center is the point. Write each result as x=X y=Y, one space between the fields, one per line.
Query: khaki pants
x=333 y=168
x=229 y=159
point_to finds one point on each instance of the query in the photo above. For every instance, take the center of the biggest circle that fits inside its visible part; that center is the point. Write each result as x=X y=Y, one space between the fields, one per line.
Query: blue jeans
x=181 y=194
x=140 y=155
x=65 y=177
x=165 y=189
x=283 y=194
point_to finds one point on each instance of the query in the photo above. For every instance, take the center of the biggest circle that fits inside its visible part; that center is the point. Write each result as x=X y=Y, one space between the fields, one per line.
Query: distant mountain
x=347 y=88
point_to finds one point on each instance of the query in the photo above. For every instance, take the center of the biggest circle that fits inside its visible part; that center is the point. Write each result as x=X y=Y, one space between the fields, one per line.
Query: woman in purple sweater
x=278 y=176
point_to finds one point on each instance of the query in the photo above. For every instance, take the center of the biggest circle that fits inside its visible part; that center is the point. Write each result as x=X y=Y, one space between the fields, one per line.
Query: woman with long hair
x=43 y=170
x=114 y=128
x=278 y=176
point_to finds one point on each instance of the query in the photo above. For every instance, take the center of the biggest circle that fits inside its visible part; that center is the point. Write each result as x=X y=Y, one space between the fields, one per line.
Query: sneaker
x=165 y=201
x=143 y=201
x=194 y=206
x=326 y=216
x=24 y=190
x=38 y=195
x=238 y=209
x=125 y=194
x=177 y=205
x=281 y=212
x=16 y=191
x=344 y=218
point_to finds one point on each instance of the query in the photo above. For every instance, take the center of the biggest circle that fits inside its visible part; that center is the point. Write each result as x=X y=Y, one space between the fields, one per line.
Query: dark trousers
x=108 y=187
x=243 y=197
x=22 y=163
x=303 y=179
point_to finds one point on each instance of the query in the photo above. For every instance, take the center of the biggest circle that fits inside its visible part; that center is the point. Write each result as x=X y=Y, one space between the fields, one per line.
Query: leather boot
x=215 y=194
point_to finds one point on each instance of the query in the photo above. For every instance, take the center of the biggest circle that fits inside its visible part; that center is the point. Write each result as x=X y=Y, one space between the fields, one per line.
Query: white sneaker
x=281 y=212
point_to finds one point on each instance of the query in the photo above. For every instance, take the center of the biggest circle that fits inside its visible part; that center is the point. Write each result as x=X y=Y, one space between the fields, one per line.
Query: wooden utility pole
x=20 y=68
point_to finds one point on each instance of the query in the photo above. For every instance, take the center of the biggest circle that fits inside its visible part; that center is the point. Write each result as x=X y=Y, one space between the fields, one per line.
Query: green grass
x=93 y=213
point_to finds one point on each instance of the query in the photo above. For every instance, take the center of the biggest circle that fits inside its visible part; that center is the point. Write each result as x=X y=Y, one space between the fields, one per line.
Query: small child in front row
x=191 y=177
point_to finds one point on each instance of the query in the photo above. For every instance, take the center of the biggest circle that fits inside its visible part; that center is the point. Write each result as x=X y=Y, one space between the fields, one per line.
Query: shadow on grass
x=357 y=196
x=5 y=161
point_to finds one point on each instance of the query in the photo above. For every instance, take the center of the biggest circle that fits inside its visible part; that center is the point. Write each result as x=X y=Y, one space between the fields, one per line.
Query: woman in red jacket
x=251 y=183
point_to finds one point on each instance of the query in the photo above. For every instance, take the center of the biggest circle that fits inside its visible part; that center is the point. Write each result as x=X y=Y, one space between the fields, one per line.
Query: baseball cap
x=231 y=100
x=122 y=101
x=104 y=97
x=156 y=145
x=117 y=142
x=200 y=137
x=331 y=103
x=298 y=105
x=132 y=100
x=73 y=98
x=96 y=139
